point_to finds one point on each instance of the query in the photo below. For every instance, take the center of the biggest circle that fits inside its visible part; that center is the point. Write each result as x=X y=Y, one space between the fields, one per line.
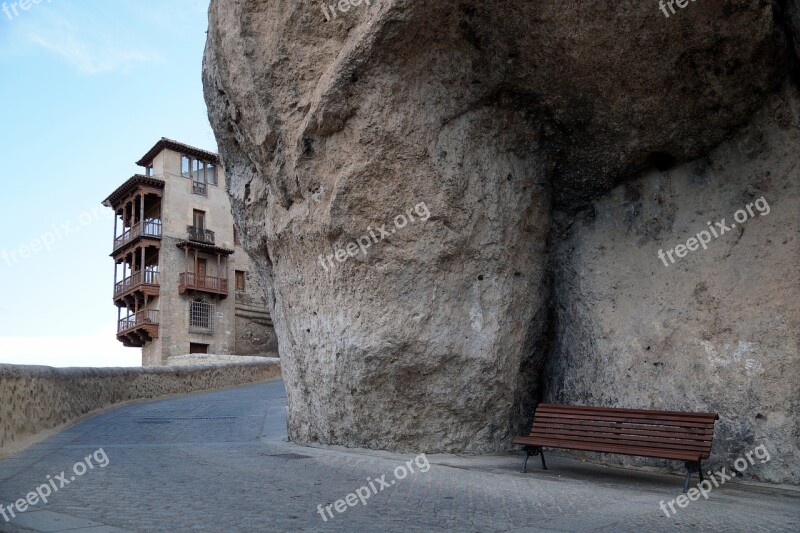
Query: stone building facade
x=182 y=282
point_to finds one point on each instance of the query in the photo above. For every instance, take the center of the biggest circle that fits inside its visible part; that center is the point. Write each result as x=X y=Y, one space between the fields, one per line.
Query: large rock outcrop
x=496 y=124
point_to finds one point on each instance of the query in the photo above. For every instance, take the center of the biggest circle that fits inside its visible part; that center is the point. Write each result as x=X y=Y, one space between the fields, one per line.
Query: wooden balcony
x=189 y=282
x=203 y=235
x=148 y=228
x=136 y=330
x=138 y=284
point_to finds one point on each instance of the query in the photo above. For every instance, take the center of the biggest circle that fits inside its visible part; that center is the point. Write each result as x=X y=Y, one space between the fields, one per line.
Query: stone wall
x=34 y=400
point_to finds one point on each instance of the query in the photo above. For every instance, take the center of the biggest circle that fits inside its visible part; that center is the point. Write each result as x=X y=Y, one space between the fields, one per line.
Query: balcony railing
x=145 y=317
x=197 y=282
x=150 y=228
x=148 y=277
x=199 y=187
x=200 y=234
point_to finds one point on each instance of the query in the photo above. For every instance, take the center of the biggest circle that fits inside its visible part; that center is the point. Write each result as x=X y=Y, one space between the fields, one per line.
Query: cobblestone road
x=221 y=462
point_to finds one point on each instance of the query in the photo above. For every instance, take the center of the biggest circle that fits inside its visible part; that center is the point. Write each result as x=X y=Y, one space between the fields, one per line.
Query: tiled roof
x=205 y=247
x=169 y=144
x=131 y=184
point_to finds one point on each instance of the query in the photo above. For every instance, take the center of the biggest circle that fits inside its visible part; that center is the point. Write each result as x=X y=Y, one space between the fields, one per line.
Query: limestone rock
x=492 y=115
x=719 y=329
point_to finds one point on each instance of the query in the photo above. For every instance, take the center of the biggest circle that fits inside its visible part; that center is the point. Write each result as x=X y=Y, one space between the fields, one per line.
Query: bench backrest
x=626 y=430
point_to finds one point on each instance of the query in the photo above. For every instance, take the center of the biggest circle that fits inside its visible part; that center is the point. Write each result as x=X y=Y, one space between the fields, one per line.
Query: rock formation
x=540 y=154
x=719 y=329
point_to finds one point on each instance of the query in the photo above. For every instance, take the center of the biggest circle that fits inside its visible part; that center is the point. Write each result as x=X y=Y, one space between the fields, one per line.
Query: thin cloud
x=91 y=50
x=89 y=58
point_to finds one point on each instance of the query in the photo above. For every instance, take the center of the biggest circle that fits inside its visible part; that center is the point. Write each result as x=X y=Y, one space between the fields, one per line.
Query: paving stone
x=47 y=521
x=221 y=461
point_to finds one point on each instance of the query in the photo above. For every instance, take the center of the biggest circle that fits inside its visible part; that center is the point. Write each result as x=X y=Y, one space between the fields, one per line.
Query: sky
x=86 y=88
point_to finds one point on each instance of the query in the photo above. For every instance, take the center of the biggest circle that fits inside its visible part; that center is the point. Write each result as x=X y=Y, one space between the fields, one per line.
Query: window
x=202 y=174
x=211 y=174
x=240 y=281
x=151 y=274
x=196 y=347
x=150 y=171
x=236 y=240
x=201 y=317
x=198 y=171
x=199 y=219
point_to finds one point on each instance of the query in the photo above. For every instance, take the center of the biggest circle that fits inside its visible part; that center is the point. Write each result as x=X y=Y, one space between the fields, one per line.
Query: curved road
x=221 y=462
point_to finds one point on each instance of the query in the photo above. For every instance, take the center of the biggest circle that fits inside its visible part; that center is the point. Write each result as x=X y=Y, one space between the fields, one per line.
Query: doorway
x=199 y=219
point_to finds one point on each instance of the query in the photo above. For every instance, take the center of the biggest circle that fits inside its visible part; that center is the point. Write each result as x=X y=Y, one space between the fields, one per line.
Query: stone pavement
x=220 y=462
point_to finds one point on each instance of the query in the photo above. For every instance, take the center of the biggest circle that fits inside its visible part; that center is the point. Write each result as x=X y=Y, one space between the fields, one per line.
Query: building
x=182 y=282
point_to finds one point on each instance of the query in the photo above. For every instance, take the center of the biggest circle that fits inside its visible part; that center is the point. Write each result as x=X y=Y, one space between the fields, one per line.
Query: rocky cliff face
x=496 y=179
x=717 y=330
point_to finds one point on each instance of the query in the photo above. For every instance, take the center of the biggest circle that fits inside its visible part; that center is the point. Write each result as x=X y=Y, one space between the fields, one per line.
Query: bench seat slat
x=609 y=448
x=647 y=431
x=599 y=415
x=591 y=435
x=609 y=439
x=544 y=407
x=621 y=426
x=686 y=422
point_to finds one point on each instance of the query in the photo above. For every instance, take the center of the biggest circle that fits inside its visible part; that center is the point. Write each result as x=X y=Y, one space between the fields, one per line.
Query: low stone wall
x=213 y=359
x=37 y=399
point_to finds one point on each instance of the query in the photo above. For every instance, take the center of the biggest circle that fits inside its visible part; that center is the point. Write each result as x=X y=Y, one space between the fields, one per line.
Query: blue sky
x=86 y=88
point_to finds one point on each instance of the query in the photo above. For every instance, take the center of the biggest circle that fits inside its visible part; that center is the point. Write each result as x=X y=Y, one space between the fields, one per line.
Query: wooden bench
x=659 y=434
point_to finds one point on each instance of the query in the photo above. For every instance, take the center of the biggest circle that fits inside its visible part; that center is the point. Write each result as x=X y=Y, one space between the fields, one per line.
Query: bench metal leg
x=691 y=467
x=533 y=450
x=525 y=463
